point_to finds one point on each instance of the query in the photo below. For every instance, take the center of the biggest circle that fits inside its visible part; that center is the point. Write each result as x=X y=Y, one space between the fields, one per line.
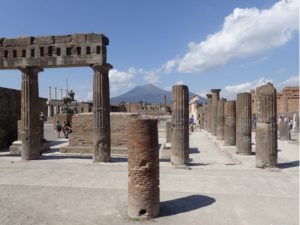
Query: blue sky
x=234 y=45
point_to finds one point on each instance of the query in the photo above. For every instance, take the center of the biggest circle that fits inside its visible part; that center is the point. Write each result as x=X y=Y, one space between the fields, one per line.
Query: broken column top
x=208 y=95
x=215 y=90
x=53 y=51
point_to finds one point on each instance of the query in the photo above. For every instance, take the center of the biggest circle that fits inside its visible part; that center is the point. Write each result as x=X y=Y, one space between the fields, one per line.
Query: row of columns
x=231 y=122
x=30 y=134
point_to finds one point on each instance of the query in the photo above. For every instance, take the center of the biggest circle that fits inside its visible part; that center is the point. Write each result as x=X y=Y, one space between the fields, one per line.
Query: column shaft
x=180 y=123
x=101 y=114
x=220 y=119
x=208 y=112
x=266 y=126
x=243 y=124
x=229 y=123
x=214 y=110
x=30 y=120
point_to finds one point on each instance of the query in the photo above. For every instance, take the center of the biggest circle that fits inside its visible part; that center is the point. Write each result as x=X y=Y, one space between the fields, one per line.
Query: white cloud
x=180 y=82
x=230 y=91
x=255 y=62
x=292 y=81
x=202 y=93
x=170 y=65
x=150 y=76
x=120 y=80
x=245 y=32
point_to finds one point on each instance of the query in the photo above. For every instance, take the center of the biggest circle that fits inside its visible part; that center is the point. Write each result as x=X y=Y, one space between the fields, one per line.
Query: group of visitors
x=66 y=128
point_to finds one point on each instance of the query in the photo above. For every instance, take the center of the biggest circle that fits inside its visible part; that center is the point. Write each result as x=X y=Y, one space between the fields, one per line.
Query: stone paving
x=218 y=188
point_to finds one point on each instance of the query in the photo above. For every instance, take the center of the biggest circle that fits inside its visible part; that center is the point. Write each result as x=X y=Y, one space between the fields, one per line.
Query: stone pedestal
x=143 y=169
x=220 y=119
x=30 y=115
x=214 y=110
x=243 y=124
x=208 y=114
x=180 y=124
x=101 y=118
x=266 y=126
x=230 y=123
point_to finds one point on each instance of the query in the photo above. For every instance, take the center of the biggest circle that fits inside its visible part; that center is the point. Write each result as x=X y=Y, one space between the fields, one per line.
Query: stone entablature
x=53 y=51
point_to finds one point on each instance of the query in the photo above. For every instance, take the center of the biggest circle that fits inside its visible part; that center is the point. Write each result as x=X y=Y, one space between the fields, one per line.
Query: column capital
x=208 y=95
x=215 y=90
x=31 y=69
x=101 y=68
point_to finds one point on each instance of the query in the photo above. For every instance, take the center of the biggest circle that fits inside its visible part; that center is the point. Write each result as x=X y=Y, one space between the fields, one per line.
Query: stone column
x=214 y=110
x=229 y=123
x=180 y=123
x=243 y=124
x=202 y=117
x=55 y=93
x=266 y=126
x=101 y=117
x=143 y=168
x=61 y=94
x=283 y=130
x=30 y=115
x=209 y=112
x=168 y=131
x=55 y=109
x=205 y=117
x=49 y=93
x=49 y=110
x=220 y=119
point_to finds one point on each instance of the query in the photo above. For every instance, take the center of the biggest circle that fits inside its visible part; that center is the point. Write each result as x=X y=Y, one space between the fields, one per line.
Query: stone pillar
x=49 y=97
x=243 y=124
x=229 y=123
x=101 y=117
x=205 y=117
x=49 y=110
x=180 y=124
x=55 y=93
x=283 y=130
x=214 y=110
x=55 y=109
x=209 y=112
x=30 y=115
x=168 y=131
x=220 y=119
x=143 y=169
x=61 y=94
x=202 y=117
x=266 y=126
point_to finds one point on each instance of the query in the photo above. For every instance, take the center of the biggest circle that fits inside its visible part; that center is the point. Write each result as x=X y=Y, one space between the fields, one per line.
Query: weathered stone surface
x=53 y=51
x=43 y=40
x=21 y=41
x=229 y=123
x=220 y=119
x=266 y=126
x=143 y=169
x=283 y=130
x=202 y=112
x=180 y=124
x=205 y=117
x=214 y=110
x=168 y=131
x=208 y=114
x=243 y=124
x=30 y=115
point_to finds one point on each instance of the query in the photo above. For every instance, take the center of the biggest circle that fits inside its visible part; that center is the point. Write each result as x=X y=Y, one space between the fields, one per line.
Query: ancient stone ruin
x=143 y=169
x=230 y=123
x=220 y=119
x=214 y=110
x=266 y=126
x=180 y=123
x=208 y=114
x=31 y=55
x=243 y=124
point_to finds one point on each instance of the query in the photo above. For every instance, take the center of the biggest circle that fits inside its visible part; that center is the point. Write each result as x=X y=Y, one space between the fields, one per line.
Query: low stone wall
x=80 y=140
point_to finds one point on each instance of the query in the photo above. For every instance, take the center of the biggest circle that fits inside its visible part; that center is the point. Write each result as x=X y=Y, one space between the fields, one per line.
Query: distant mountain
x=147 y=93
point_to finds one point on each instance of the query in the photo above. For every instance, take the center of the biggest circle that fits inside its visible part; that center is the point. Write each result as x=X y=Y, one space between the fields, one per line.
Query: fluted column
x=101 y=116
x=30 y=115
x=229 y=123
x=180 y=123
x=220 y=119
x=214 y=110
x=208 y=112
x=243 y=124
x=266 y=126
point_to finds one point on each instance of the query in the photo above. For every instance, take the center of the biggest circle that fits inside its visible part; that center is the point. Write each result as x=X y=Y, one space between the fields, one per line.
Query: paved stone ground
x=219 y=188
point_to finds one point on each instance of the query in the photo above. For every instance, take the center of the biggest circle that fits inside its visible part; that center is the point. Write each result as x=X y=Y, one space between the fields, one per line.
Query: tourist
x=67 y=129
x=58 y=128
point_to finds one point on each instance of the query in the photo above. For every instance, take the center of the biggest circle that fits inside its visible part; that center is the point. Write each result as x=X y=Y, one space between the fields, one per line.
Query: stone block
x=20 y=41
x=43 y=40
x=62 y=39
x=78 y=38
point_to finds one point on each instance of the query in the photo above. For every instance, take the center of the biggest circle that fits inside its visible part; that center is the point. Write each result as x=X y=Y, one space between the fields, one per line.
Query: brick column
x=101 y=116
x=220 y=119
x=208 y=112
x=180 y=123
x=243 y=124
x=30 y=115
x=143 y=168
x=266 y=126
x=229 y=123
x=214 y=110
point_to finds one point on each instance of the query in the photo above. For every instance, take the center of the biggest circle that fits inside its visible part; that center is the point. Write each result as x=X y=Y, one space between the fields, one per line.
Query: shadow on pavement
x=288 y=164
x=193 y=150
x=184 y=204
x=49 y=157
